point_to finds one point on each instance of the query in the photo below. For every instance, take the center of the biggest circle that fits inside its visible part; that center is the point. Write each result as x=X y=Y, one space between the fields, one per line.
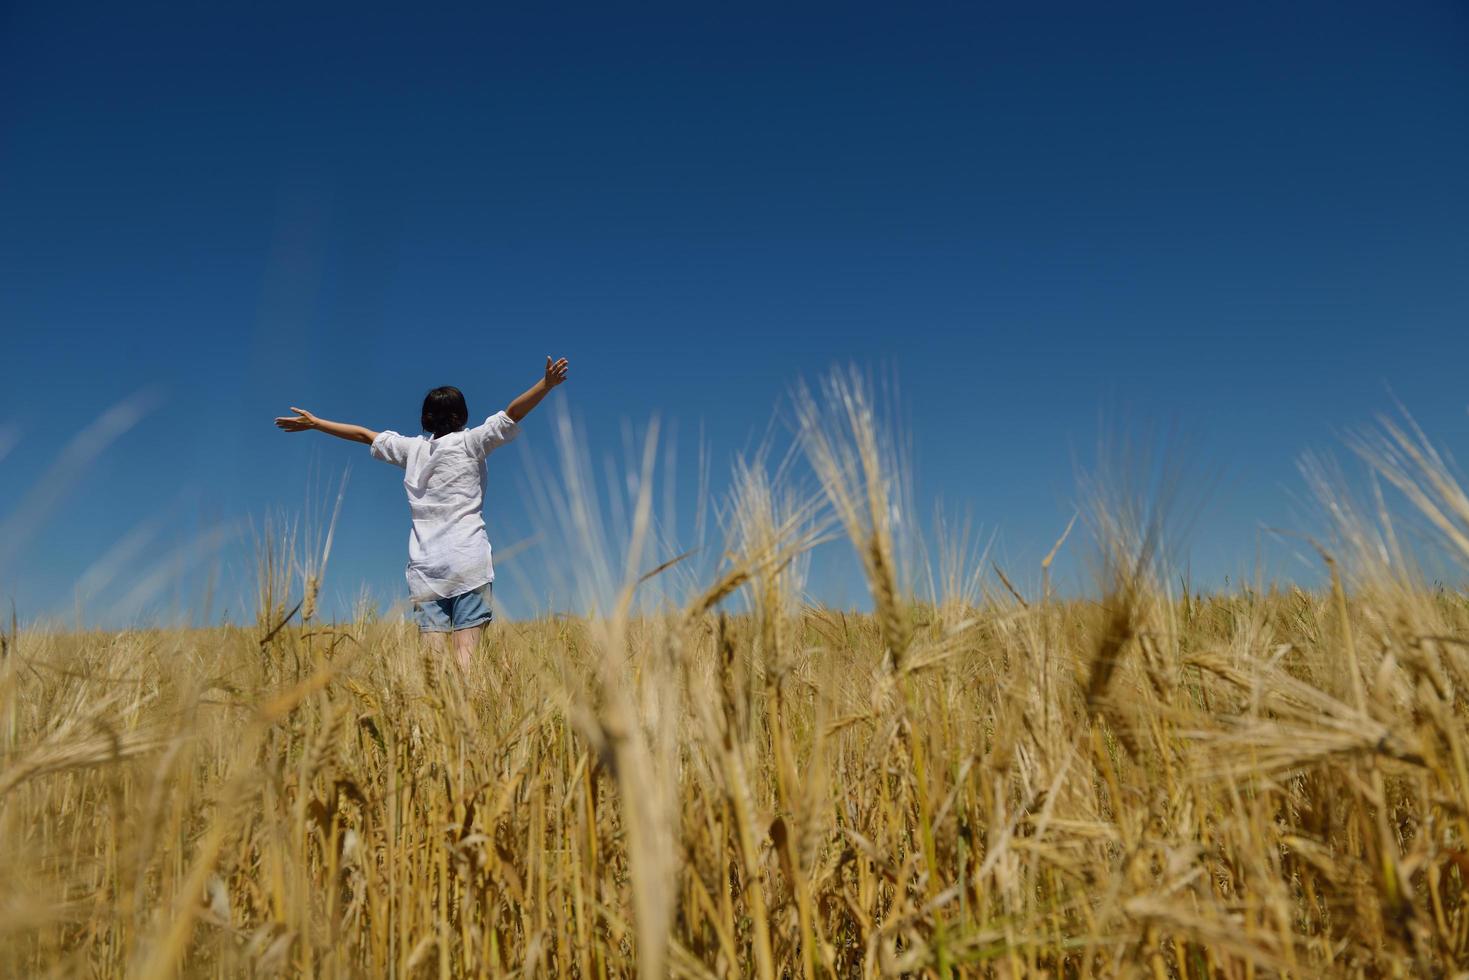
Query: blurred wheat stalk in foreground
x=1149 y=784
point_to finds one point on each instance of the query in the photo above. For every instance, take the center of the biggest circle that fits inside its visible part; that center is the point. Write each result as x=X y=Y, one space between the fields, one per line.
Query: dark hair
x=444 y=411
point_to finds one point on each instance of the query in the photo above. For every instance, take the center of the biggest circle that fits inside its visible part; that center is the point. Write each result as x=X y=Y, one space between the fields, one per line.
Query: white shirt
x=448 y=550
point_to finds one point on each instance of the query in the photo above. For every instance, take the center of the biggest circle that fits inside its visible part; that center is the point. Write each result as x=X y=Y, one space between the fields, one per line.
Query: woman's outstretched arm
x=304 y=421
x=555 y=374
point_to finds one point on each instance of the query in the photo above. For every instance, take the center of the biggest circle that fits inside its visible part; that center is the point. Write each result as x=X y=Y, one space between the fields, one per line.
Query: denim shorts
x=461 y=612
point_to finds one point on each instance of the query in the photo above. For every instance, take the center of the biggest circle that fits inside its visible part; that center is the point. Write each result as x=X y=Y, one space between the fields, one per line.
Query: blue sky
x=1249 y=221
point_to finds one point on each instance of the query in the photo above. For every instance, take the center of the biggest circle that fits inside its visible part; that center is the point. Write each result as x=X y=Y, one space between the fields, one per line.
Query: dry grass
x=1144 y=785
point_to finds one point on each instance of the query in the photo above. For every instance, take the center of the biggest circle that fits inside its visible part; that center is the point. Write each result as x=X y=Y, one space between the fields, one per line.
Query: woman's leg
x=466 y=641
x=433 y=626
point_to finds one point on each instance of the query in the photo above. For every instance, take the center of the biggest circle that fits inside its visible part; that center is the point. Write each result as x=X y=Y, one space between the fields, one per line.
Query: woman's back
x=444 y=477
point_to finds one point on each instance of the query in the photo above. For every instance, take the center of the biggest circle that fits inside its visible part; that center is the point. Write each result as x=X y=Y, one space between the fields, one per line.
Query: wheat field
x=973 y=778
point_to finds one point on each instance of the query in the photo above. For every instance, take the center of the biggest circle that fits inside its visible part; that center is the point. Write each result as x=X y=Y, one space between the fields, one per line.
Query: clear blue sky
x=1250 y=220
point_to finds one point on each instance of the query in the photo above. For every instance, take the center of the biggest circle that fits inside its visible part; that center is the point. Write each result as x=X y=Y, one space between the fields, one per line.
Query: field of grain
x=978 y=779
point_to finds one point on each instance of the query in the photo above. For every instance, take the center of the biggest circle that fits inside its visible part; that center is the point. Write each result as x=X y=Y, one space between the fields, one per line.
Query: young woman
x=449 y=571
